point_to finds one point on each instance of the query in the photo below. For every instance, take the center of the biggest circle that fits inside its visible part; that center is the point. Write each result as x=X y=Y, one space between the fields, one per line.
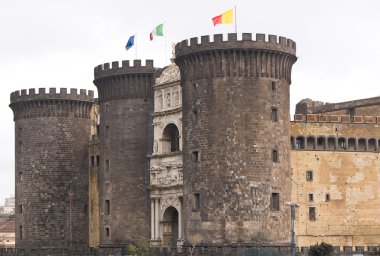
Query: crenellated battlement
x=117 y=68
x=31 y=104
x=52 y=93
x=125 y=81
x=318 y=118
x=271 y=57
x=270 y=42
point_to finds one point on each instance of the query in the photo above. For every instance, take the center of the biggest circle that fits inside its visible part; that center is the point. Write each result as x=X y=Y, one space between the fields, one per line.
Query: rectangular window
x=195 y=116
x=274 y=86
x=107 y=165
x=107 y=207
x=275 y=155
x=311 y=197
x=274 y=115
x=107 y=131
x=20 y=132
x=194 y=156
x=195 y=88
x=327 y=197
x=20 y=231
x=275 y=202
x=97 y=160
x=309 y=175
x=107 y=231
x=21 y=176
x=312 y=213
x=92 y=161
x=359 y=248
x=20 y=209
x=197 y=201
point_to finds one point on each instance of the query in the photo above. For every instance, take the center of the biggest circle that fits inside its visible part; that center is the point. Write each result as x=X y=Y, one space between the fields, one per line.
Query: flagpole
x=135 y=46
x=235 y=21
x=166 y=56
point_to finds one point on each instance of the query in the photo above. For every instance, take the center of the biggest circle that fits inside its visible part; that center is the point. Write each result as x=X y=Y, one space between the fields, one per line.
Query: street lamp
x=293 y=207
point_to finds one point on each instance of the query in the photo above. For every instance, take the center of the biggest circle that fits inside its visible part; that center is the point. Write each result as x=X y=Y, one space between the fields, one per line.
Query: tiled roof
x=7 y=227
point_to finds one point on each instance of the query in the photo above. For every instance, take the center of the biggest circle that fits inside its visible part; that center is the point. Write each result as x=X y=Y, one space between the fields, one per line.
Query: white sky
x=51 y=43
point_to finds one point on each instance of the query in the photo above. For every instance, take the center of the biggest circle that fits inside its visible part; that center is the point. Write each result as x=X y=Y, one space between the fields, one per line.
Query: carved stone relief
x=166 y=177
x=159 y=100
x=170 y=200
x=167 y=98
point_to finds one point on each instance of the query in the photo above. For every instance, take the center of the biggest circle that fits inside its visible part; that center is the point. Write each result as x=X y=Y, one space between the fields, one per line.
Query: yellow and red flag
x=226 y=17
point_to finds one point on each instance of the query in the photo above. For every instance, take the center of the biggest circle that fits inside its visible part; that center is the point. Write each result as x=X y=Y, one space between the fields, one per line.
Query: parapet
x=52 y=94
x=318 y=118
x=272 y=43
x=114 y=68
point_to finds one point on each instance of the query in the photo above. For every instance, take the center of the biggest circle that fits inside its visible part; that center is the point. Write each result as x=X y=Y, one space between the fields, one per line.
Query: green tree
x=322 y=249
x=141 y=248
x=376 y=251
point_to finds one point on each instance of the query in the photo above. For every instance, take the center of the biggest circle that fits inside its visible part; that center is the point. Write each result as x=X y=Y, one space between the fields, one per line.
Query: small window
x=195 y=115
x=107 y=165
x=92 y=161
x=197 y=201
x=275 y=202
x=194 y=156
x=106 y=107
x=275 y=155
x=312 y=213
x=20 y=231
x=311 y=197
x=21 y=178
x=97 y=160
x=107 y=230
x=20 y=209
x=20 y=132
x=359 y=248
x=107 y=131
x=274 y=115
x=107 y=207
x=274 y=86
x=309 y=175
x=327 y=197
x=195 y=88
x=85 y=209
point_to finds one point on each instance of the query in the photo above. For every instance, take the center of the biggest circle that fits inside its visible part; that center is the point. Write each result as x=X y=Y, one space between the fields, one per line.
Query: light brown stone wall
x=352 y=181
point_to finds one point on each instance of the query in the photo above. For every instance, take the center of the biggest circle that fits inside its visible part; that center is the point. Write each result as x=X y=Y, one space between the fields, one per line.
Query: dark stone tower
x=52 y=132
x=125 y=136
x=236 y=138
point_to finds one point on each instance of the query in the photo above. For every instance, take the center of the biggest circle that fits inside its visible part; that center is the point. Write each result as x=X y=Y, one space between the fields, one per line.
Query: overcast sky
x=48 y=43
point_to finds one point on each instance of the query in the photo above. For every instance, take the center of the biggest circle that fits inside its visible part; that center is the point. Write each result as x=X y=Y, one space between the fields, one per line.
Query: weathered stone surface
x=229 y=91
x=51 y=140
x=125 y=139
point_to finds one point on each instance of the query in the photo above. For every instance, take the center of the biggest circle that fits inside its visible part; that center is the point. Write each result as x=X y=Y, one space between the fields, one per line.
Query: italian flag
x=157 y=31
x=226 y=17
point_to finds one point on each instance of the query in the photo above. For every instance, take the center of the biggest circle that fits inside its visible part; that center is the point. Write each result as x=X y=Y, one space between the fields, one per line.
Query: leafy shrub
x=322 y=249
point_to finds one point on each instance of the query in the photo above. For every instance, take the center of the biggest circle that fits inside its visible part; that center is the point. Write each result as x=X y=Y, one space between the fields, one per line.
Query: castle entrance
x=170 y=227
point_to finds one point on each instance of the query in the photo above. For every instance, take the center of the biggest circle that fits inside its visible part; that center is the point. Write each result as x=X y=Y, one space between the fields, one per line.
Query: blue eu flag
x=130 y=43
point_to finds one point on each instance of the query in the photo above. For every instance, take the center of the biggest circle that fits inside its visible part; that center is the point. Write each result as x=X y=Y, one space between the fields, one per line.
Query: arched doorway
x=170 y=139
x=170 y=227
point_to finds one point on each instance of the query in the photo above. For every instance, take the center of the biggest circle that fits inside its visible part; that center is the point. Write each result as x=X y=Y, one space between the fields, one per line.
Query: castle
x=201 y=152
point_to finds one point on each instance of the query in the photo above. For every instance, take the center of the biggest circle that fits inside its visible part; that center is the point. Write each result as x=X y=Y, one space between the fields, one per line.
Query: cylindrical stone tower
x=125 y=137
x=236 y=139
x=52 y=132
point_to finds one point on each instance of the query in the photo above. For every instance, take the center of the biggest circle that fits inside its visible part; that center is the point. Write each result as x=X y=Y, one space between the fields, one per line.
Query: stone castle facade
x=201 y=152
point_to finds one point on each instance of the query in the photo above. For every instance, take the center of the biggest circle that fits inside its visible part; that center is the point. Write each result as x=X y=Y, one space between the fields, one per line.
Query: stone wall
x=125 y=139
x=235 y=138
x=51 y=141
x=343 y=187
